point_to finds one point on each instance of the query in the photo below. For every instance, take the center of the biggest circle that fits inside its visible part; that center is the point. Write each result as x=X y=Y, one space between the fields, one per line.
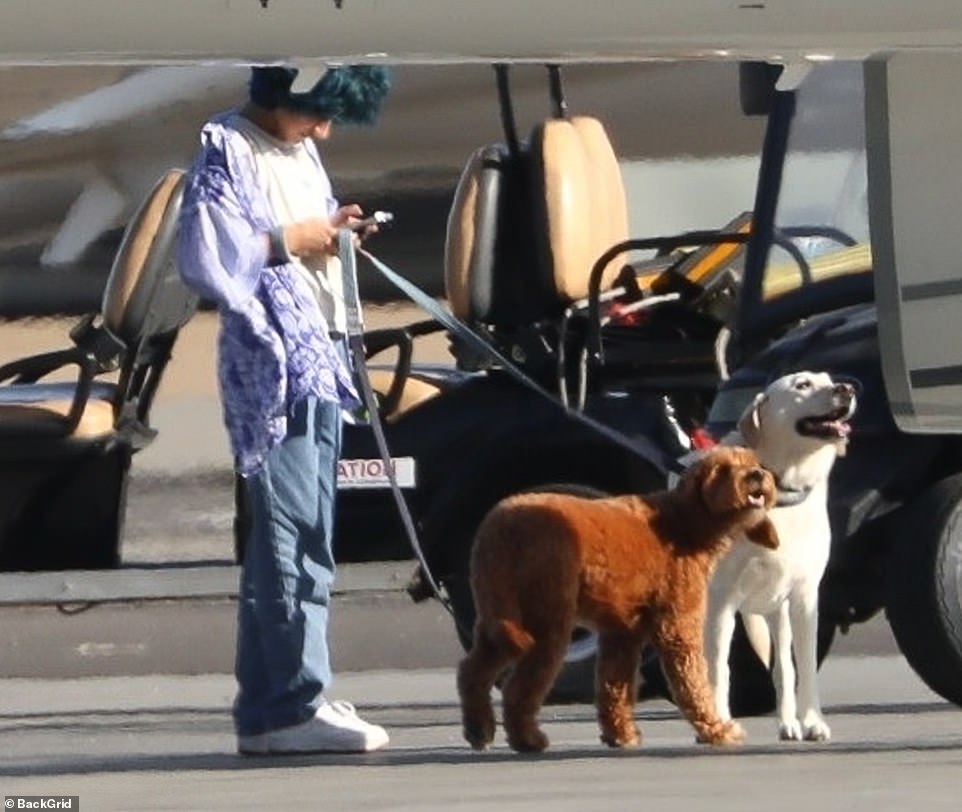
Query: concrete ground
x=165 y=742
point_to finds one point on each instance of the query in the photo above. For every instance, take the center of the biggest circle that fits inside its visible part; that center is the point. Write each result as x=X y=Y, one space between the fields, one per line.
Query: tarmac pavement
x=165 y=742
x=127 y=706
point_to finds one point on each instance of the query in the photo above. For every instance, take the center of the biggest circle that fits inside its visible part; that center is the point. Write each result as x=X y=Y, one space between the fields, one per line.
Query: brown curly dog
x=634 y=568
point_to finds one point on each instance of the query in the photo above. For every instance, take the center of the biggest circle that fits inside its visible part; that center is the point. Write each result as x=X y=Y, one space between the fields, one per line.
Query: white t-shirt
x=298 y=188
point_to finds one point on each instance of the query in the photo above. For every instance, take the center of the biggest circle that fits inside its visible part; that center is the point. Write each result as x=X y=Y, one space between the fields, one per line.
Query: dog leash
x=640 y=446
x=347 y=253
x=784 y=496
x=355 y=341
x=789 y=497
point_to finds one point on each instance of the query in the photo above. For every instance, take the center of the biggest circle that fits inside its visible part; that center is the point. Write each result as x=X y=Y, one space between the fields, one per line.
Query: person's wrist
x=277 y=240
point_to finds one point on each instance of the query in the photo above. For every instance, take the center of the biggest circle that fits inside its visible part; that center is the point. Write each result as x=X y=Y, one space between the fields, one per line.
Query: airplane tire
x=924 y=587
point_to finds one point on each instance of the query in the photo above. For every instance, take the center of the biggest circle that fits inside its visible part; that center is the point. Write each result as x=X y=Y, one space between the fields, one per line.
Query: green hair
x=349 y=94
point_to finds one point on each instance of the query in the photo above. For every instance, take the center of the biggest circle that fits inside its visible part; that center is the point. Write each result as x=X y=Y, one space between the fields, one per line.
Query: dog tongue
x=842 y=429
x=839 y=428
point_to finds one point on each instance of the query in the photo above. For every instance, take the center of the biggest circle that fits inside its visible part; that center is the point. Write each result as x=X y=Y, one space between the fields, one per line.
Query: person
x=258 y=224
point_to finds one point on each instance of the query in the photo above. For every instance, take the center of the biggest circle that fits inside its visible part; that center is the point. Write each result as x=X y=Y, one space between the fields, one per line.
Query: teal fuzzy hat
x=348 y=94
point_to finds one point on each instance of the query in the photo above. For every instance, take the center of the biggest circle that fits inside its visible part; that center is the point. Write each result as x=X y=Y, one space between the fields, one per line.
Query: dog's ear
x=750 y=423
x=689 y=483
x=713 y=484
x=763 y=534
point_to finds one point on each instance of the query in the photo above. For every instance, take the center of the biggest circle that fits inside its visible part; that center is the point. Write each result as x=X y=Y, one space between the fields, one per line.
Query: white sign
x=371 y=473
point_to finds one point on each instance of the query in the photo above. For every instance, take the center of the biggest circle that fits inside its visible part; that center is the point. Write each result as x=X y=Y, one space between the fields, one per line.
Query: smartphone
x=379 y=218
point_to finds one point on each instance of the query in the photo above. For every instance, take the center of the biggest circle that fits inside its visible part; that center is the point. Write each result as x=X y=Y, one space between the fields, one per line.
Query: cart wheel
x=924 y=587
x=576 y=681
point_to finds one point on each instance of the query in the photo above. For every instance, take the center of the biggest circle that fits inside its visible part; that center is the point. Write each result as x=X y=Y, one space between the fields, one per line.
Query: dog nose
x=756 y=476
x=845 y=390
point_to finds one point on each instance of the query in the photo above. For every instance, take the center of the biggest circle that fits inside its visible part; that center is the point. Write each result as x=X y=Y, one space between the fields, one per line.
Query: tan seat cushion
x=580 y=210
x=135 y=249
x=44 y=407
x=416 y=391
x=585 y=204
x=97 y=419
x=464 y=248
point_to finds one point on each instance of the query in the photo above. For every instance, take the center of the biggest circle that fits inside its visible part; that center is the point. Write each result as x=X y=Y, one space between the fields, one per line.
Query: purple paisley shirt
x=274 y=347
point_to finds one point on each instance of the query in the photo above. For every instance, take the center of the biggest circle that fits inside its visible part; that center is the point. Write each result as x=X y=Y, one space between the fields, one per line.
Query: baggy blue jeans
x=282 y=663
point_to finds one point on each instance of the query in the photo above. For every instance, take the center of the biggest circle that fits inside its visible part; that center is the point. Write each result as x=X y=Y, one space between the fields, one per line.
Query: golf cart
x=894 y=497
x=662 y=349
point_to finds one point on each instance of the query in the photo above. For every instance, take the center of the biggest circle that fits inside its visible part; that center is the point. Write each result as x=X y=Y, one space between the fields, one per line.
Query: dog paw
x=477 y=743
x=729 y=732
x=479 y=737
x=790 y=731
x=732 y=733
x=816 y=729
x=531 y=741
x=736 y=731
x=626 y=739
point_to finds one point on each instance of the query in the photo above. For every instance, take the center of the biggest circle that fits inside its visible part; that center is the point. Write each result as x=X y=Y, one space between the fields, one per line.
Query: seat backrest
x=580 y=195
x=145 y=301
x=144 y=293
x=525 y=229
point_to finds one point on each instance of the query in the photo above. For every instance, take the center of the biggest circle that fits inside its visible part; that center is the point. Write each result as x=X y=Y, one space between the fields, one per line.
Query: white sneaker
x=335 y=728
x=252 y=744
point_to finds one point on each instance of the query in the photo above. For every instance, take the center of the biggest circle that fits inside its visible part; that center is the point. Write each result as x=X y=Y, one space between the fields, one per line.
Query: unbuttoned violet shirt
x=274 y=347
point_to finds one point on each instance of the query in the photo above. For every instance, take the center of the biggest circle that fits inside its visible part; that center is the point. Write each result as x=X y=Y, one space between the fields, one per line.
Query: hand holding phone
x=379 y=218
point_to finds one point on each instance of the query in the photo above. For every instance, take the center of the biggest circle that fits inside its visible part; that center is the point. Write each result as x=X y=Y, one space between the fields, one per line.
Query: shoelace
x=342 y=708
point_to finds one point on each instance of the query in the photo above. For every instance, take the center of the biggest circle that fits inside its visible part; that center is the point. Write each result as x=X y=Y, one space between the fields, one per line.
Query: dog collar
x=788 y=497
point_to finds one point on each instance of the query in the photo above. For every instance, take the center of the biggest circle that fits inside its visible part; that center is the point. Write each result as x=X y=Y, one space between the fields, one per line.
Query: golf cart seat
x=525 y=229
x=71 y=419
x=525 y=233
x=522 y=235
x=532 y=262
x=399 y=387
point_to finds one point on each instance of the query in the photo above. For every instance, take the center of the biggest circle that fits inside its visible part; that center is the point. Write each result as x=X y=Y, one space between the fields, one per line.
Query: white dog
x=797 y=426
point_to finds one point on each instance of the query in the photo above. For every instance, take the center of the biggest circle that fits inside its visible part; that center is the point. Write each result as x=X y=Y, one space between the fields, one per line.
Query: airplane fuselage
x=423 y=31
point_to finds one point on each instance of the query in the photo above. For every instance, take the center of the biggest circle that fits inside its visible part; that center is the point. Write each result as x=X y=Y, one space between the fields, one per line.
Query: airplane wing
x=911 y=49
x=433 y=31
x=73 y=169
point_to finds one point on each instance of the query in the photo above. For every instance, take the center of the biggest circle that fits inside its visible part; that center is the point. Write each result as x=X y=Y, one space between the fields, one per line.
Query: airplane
x=80 y=146
x=904 y=46
x=435 y=31
x=909 y=56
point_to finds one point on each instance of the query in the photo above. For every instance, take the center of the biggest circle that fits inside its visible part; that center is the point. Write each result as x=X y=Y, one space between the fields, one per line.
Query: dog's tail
x=500 y=618
x=511 y=635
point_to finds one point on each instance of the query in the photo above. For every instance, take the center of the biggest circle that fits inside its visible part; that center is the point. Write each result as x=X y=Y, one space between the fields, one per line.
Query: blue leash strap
x=640 y=446
x=355 y=340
